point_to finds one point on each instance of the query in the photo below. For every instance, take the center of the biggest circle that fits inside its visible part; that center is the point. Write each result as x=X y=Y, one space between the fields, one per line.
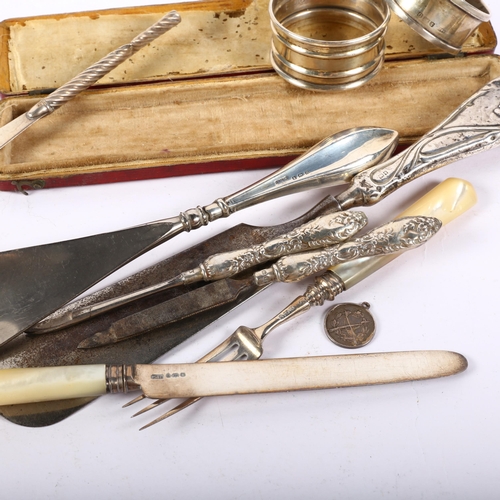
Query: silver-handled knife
x=391 y=238
x=85 y=79
x=25 y=385
x=325 y=230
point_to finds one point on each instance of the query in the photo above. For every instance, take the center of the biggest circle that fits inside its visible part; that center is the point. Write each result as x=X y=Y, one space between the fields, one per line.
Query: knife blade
x=27 y=385
x=215 y=294
x=322 y=231
x=15 y=127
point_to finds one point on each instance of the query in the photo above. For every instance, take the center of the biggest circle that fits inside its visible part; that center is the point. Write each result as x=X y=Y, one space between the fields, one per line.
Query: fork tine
x=173 y=411
x=135 y=400
x=239 y=354
x=226 y=344
x=151 y=406
x=232 y=355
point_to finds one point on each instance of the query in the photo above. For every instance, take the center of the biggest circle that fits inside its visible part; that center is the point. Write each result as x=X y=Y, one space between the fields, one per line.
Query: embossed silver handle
x=95 y=72
x=326 y=230
x=391 y=238
x=323 y=231
x=472 y=128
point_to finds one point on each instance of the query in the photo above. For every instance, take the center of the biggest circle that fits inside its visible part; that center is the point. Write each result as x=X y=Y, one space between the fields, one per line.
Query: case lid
x=214 y=38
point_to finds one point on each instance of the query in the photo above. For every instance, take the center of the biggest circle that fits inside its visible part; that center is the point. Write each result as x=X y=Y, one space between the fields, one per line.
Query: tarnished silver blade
x=214 y=294
x=12 y=129
x=292 y=374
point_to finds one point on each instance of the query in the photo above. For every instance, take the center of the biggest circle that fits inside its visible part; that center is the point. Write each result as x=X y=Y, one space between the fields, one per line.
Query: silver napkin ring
x=445 y=23
x=328 y=44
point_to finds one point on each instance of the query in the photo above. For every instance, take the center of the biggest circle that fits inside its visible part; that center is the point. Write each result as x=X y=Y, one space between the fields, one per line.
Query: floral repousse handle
x=393 y=237
x=323 y=231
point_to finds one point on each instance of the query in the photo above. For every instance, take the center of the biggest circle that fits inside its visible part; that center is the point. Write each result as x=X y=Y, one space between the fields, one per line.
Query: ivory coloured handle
x=446 y=201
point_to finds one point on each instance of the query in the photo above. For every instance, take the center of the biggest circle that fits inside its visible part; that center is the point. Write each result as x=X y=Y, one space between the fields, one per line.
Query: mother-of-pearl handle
x=30 y=385
x=446 y=201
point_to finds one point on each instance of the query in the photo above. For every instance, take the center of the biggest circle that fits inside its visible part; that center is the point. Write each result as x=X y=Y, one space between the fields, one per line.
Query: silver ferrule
x=120 y=379
x=39 y=110
x=326 y=287
x=218 y=209
x=193 y=218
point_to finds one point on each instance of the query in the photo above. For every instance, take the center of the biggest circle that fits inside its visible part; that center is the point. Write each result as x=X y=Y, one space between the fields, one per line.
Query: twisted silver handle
x=95 y=72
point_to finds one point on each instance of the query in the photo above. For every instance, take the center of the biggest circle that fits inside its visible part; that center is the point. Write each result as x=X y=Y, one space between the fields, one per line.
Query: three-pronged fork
x=246 y=343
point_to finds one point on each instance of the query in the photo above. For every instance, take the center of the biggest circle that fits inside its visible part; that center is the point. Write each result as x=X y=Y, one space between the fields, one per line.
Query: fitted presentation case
x=203 y=97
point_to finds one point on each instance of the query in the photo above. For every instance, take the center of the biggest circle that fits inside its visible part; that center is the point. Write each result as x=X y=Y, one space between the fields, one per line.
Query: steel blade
x=38 y=280
x=202 y=299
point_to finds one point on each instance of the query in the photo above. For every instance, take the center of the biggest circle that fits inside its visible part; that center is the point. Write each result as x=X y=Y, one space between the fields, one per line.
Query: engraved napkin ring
x=445 y=23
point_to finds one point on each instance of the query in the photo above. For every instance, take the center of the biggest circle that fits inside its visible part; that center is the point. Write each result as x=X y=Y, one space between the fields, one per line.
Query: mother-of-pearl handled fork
x=446 y=201
x=392 y=237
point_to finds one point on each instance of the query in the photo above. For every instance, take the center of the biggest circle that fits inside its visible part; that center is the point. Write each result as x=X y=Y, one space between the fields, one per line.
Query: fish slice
x=38 y=280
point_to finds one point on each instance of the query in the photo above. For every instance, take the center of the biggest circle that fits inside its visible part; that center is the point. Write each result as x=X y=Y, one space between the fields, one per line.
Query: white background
x=423 y=440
